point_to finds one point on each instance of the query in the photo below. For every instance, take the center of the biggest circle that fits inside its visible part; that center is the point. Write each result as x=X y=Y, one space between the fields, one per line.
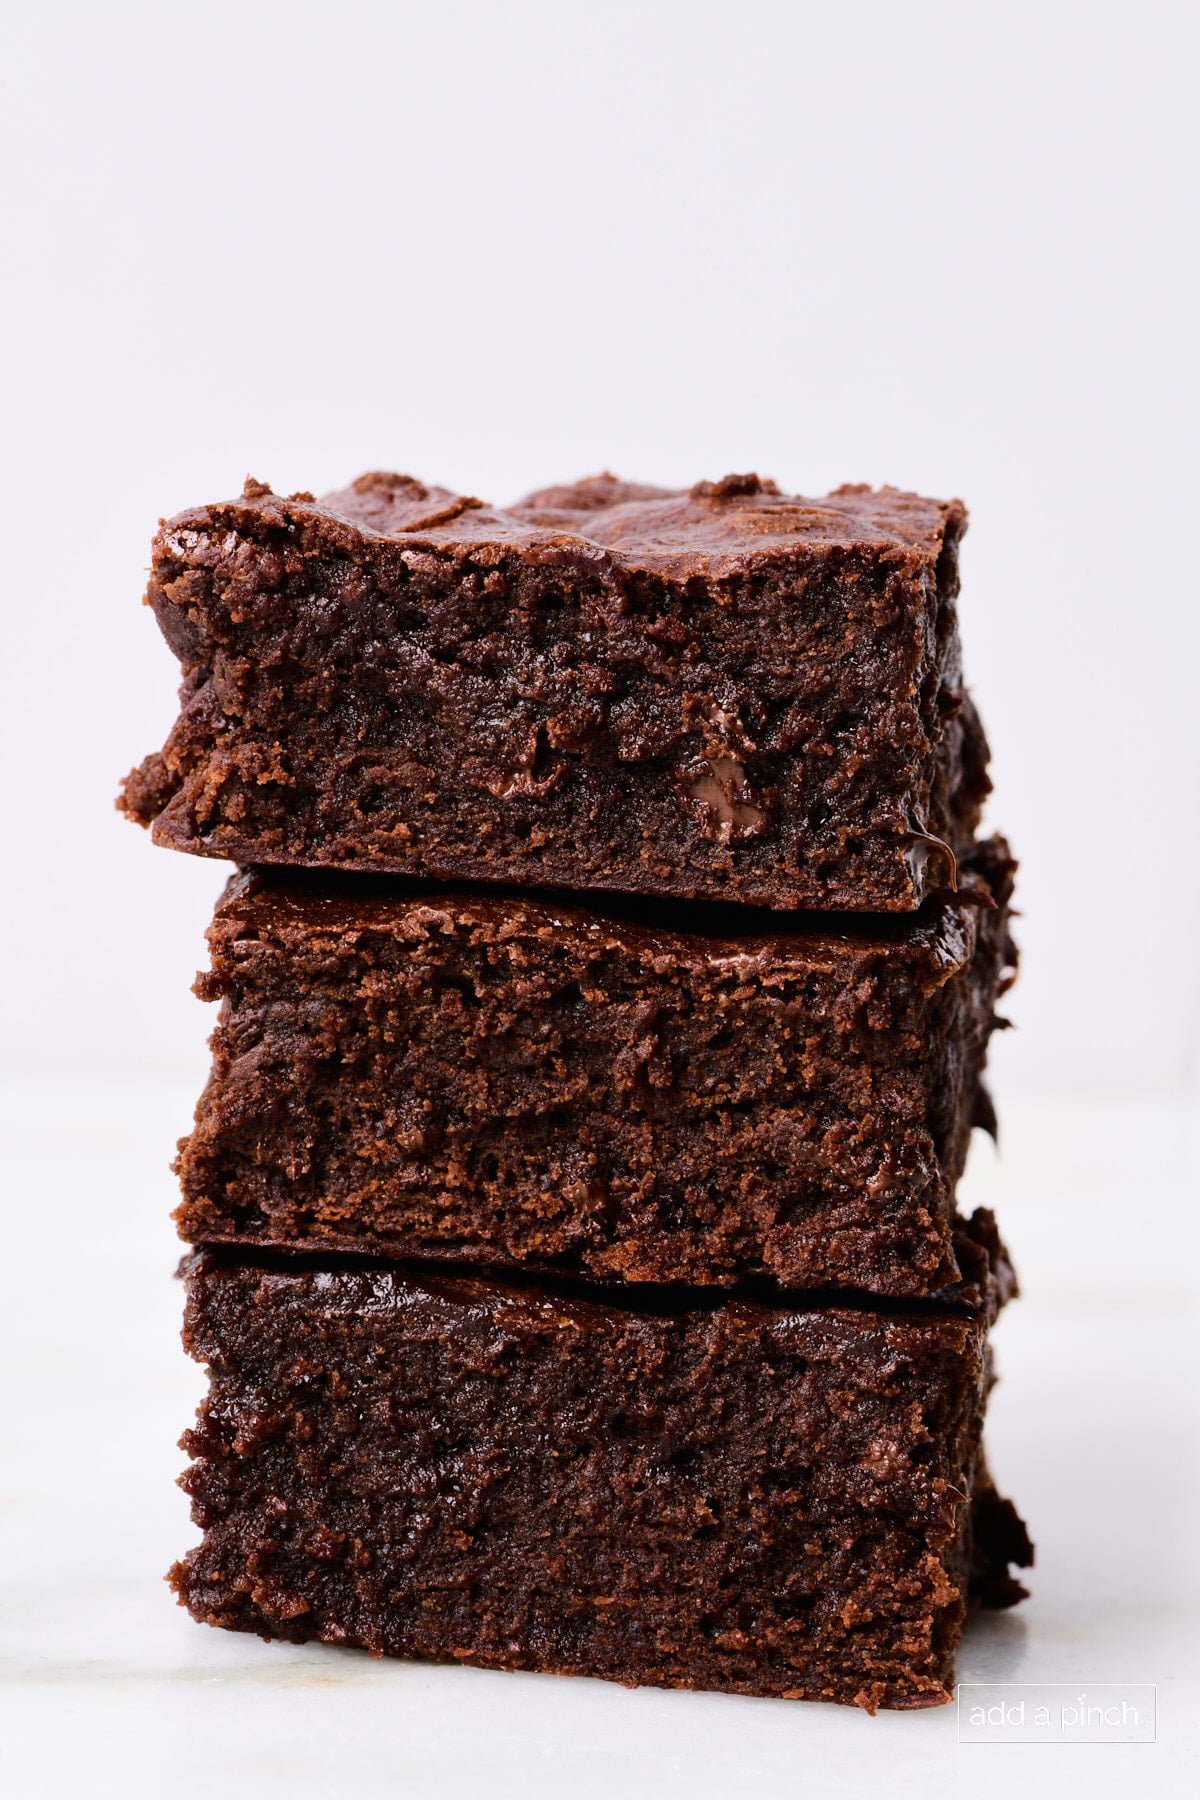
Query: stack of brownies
x=605 y=994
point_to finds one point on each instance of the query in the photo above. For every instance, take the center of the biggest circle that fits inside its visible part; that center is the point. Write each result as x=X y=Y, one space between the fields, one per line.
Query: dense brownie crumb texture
x=766 y=1500
x=726 y=692
x=494 y=1078
x=604 y=1001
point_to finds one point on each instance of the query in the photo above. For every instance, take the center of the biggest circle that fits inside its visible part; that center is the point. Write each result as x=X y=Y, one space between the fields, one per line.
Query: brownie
x=724 y=693
x=654 y=1093
x=767 y=1500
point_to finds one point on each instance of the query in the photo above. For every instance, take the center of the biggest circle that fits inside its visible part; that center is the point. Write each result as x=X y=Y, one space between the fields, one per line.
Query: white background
x=951 y=246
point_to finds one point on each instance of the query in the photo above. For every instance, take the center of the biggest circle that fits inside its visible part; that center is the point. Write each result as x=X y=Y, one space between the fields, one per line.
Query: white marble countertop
x=106 y=1687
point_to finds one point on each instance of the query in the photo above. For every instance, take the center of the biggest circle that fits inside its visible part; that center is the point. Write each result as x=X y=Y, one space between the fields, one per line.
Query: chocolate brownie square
x=652 y=1093
x=724 y=693
x=781 y=1500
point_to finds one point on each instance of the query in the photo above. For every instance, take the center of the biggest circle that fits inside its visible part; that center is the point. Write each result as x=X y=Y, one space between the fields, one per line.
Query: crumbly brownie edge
x=315 y=1132
x=659 y=1576
x=254 y=794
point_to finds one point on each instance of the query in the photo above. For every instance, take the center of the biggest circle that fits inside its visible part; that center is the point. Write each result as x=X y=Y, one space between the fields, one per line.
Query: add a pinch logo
x=1008 y=1712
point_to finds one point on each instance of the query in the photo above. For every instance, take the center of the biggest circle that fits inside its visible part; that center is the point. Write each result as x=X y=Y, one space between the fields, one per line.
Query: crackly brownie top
x=932 y=944
x=940 y=937
x=389 y=1284
x=712 y=529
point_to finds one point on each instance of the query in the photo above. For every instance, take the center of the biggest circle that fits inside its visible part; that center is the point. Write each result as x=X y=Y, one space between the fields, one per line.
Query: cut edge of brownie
x=984 y=1283
x=317 y=1131
x=364 y=1543
x=252 y=795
